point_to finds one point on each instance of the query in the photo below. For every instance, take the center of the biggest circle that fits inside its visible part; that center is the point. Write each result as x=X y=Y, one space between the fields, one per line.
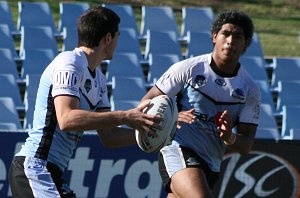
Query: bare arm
x=71 y=118
x=243 y=140
x=117 y=136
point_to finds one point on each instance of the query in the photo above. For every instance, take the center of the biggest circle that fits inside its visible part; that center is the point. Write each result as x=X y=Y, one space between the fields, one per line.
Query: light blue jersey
x=67 y=74
x=197 y=86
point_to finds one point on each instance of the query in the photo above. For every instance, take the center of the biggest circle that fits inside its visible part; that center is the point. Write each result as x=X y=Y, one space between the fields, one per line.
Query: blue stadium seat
x=118 y=105
x=159 y=63
x=255 y=48
x=127 y=15
x=41 y=37
x=288 y=94
x=7 y=18
x=33 y=14
x=32 y=84
x=10 y=88
x=7 y=63
x=290 y=120
x=8 y=126
x=285 y=69
x=69 y=14
x=127 y=88
x=124 y=65
x=158 y=18
x=267 y=128
x=255 y=66
x=196 y=19
x=7 y=40
x=266 y=93
x=162 y=43
x=9 y=112
x=129 y=42
x=294 y=134
x=198 y=43
x=70 y=37
x=36 y=60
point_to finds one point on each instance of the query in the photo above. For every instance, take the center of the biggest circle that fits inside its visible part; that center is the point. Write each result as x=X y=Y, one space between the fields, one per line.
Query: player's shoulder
x=189 y=64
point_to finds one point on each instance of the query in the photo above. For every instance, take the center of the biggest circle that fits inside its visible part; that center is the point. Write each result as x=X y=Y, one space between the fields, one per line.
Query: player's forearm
x=76 y=120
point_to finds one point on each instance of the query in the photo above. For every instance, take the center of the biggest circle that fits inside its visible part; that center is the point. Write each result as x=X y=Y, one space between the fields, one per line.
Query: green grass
x=277 y=22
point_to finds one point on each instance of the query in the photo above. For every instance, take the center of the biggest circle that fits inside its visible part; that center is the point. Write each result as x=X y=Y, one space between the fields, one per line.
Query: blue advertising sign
x=270 y=170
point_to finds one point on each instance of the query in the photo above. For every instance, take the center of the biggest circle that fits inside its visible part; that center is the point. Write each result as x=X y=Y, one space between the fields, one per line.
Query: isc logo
x=258 y=174
x=66 y=78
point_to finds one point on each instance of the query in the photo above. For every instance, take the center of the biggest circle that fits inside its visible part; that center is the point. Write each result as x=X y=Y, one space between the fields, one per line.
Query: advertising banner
x=270 y=170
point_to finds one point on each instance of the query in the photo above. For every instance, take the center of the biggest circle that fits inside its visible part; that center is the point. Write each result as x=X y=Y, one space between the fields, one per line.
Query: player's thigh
x=190 y=182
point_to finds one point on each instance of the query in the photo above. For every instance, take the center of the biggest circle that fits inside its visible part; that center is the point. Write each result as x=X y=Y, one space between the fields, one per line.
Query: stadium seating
x=36 y=60
x=267 y=128
x=128 y=42
x=7 y=40
x=127 y=88
x=285 y=69
x=7 y=18
x=266 y=93
x=9 y=115
x=9 y=88
x=196 y=19
x=162 y=43
x=158 y=18
x=288 y=94
x=290 y=120
x=7 y=63
x=118 y=105
x=159 y=63
x=34 y=14
x=69 y=13
x=198 y=43
x=70 y=38
x=41 y=37
x=255 y=66
x=255 y=48
x=124 y=65
x=127 y=15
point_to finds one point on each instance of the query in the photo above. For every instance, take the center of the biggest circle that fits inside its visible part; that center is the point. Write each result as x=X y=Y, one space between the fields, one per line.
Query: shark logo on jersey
x=238 y=93
x=200 y=81
x=88 y=85
x=220 y=82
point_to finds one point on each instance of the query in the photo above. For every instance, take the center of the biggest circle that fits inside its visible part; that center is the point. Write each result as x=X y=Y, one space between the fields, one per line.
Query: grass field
x=277 y=22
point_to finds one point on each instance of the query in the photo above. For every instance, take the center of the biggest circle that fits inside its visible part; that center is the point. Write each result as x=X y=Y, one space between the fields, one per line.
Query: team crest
x=200 y=80
x=88 y=85
x=238 y=93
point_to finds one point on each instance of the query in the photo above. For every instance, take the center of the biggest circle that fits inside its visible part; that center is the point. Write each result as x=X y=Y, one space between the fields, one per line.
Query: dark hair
x=237 y=18
x=95 y=23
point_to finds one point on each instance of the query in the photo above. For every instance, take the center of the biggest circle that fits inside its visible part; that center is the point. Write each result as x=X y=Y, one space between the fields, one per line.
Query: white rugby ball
x=166 y=108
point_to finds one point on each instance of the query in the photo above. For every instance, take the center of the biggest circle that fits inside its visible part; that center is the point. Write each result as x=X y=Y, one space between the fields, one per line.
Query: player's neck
x=93 y=57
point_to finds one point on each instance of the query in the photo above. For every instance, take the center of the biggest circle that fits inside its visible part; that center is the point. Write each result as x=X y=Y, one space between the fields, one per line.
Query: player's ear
x=214 y=38
x=107 y=38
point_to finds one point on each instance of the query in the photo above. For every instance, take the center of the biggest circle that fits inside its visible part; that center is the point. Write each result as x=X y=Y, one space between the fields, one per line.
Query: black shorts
x=191 y=159
x=20 y=184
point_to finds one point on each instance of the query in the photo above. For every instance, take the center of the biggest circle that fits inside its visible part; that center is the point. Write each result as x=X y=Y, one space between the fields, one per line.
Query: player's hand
x=143 y=122
x=186 y=116
x=223 y=123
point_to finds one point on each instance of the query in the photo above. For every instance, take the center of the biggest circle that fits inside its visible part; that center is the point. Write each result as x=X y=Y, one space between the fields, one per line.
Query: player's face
x=229 y=42
x=112 y=46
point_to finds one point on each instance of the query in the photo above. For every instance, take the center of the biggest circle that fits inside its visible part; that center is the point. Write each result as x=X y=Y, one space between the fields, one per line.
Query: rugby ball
x=166 y=108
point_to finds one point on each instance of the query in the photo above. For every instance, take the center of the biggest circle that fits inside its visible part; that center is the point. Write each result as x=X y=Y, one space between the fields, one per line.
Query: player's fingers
x=143 y=104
